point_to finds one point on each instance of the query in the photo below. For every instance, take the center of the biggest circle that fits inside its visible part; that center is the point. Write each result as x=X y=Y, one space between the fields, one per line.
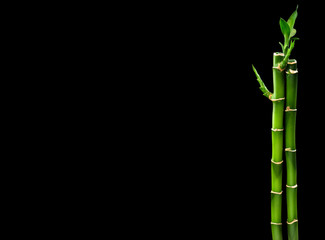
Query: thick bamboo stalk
x=277 y=147
x=290 y=148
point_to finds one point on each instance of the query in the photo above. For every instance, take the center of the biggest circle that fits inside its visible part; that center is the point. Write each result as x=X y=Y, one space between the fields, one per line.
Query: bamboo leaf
x=292 y=19
x=285 y=29
x=263 y=88
x=281 y=46
x=293 y=32
x=292 y=44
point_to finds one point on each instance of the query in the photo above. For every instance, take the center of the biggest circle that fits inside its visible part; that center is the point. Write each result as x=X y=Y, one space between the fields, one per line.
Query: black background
x=209 y=128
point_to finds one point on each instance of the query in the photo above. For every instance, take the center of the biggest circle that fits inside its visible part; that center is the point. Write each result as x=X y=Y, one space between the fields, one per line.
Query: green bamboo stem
x=290 y=148
x=282 y=64
x=277 y=147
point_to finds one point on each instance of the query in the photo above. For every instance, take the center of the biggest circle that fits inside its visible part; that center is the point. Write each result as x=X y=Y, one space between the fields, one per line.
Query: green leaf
x=292 y=18
x=285 y=29
x=263 y=88
x=281 y=46
x=293 y=32
x=257 y=75
x=295 y=38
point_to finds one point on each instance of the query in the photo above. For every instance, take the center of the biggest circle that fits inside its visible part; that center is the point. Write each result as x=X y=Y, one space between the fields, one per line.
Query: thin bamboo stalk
x=290 y=147
x=277 y=147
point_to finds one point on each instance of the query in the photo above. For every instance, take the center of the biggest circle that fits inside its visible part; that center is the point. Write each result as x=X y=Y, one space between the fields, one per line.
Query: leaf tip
x=253 y=68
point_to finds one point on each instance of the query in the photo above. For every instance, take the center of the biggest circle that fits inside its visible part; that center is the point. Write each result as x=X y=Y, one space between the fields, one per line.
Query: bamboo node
x=277 y=129
x=278 y=193
x=292 y=71
x=278 y=99
x=276 y=162
x=279 y=68
x=275 y=100
x=288 y=109
x=294 y=186
x=294 y=220
x=276 y=223
x=290 y=150
x=293 y=62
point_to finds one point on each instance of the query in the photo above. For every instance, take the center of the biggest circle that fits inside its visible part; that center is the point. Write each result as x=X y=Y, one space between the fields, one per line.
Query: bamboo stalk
x=290 y=147
x=277 y=142
x=277 y=147
x=281 y=63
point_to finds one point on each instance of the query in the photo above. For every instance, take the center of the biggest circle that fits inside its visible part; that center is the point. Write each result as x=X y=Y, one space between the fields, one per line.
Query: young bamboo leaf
x=285 y=29
x=281 y=46
x=292 y=44
x=293 y=32
x=263 y=88
x=292 y=18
